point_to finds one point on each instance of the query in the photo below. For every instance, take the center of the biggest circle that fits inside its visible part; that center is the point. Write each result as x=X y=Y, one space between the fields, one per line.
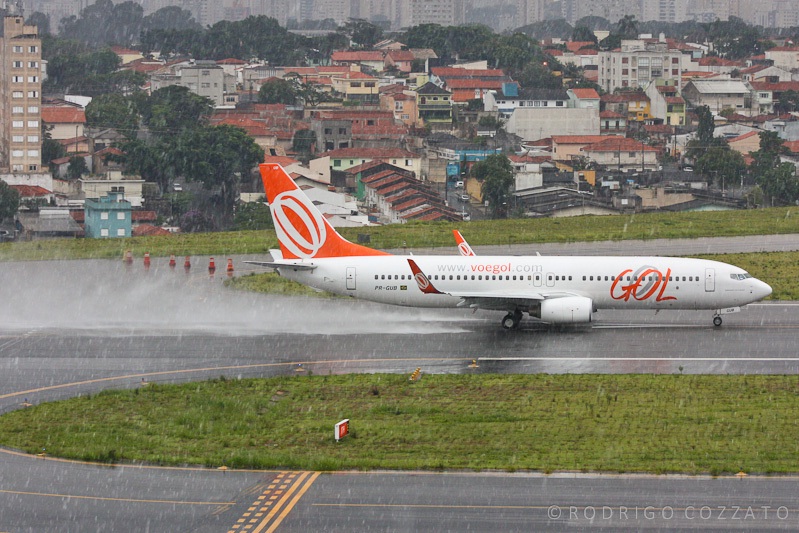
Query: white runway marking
x=692 y=359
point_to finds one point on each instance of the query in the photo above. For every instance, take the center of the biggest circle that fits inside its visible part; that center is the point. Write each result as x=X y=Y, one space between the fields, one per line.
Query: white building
x=637 y=63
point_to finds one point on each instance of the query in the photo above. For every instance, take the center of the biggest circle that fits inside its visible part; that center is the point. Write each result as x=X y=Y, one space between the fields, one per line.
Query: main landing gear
x=511 y=320
x=717 y=320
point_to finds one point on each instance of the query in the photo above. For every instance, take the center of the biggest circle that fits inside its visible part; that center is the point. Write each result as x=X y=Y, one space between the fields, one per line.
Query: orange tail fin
x=463 y=246
x=303 y=232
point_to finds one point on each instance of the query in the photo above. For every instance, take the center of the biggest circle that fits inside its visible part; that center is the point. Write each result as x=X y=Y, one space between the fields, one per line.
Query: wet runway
x=68 y=328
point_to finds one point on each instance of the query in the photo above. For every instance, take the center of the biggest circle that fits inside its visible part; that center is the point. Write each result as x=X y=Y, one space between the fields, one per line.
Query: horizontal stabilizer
x=283 y=264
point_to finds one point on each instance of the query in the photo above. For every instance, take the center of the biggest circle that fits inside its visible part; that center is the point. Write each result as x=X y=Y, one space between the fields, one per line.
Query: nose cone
x=761 y=289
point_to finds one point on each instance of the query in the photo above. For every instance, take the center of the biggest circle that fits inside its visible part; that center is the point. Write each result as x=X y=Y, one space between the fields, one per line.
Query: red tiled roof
x=783 y=49
x=713 y=61
x=231 y=61
x=281 y=160
x=792 y=146
x=658 y=128
x=611 y=114
x=148 y=229
x=585 y=93
x=624 y=96
x=63 y=115
x=401 y=55
x=745 y=136
x=30 y=191
x=554 y=52
x=575 y=46
x=674 y=100
x=781 y=86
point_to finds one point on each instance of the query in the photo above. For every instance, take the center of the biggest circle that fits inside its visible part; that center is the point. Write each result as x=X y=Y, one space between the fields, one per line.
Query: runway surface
x=68 y=328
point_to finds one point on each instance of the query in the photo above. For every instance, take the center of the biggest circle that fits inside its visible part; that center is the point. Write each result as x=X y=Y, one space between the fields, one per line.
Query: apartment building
x=638 y=62
x=20 y=97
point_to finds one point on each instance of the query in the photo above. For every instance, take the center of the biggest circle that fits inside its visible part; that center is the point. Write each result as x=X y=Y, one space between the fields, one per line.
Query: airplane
x=553 y=289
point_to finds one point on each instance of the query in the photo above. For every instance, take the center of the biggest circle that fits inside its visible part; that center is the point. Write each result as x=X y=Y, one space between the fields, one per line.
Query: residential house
x=434 y=104
x=786 y=126
x=612 y=123
x=784 y=57
x=48 y=223
x=396 y=198
x=401 y=60
x=623 y=154
x=717 y=65
x=566 y=148
x=402 y=103
x=468 y=84
x=719 y=95
x=108 y=216
x=34 y=194
x=510 y=97
x=346 y=158
x=765 y=73
x=371 y=59
x=357 y=174
x=584 y=98
x=666 y=104
x=746 y=143
x=204 y=78
x=635 y=105
x=357 y=87
x=767 y=95
x=113 y=182
x=126 y=55
x=348 y=128
x=528 y=171
x=64 y=121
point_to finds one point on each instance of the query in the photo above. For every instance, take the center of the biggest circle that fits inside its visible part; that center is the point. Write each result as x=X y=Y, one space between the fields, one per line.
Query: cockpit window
x=743 y=276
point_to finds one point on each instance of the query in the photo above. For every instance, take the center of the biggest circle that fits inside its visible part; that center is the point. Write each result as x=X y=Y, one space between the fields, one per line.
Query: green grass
x=606 y=423
x=272 y=283
x=422 y=235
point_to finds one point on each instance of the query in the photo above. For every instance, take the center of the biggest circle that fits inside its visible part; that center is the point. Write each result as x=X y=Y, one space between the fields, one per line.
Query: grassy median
x=435 y=234
x=606 y=423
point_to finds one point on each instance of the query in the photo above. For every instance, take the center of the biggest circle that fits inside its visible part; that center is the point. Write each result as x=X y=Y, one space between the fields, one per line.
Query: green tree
x=9 y=201
x=304 y=142
x=720 y=164
x=113 y=111
x=105 y=23
x=788 y=102
x=495 y=175
x=77 y=167
x=704 y=133
x=41 y=21
x=252 y=216
x=173 y=109
x=776 y=179
x=170 y=18
x=279 y=91
x=583 y=34
x=627 y=27
x=217 y=157
x=362 y=34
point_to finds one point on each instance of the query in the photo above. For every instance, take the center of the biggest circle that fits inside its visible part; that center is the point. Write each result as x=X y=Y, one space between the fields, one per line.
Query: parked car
x=6 y=235
x=464 y=198
x=459 y=185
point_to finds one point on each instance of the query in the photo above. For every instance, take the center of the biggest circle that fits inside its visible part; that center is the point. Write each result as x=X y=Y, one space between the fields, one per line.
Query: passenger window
x=459 y=277
x=376 y=277
x=612 y=278
x=570 y=278
x=480 y=277
x=493 y=278
x=584 y=278
x=450 y=277
x=382 y=276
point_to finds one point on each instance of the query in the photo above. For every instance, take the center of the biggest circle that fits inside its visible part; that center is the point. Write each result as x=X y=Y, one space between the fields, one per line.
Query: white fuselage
x=610 y=282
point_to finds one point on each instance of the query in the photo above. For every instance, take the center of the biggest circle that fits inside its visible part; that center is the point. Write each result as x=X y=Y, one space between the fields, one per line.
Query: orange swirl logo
x=465 y=249
x=646 y=282
x=301 y=228
x=421 y=281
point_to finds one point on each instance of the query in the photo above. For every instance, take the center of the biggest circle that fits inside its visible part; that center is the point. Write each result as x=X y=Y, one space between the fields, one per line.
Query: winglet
x=421 y=280
x=463 y=246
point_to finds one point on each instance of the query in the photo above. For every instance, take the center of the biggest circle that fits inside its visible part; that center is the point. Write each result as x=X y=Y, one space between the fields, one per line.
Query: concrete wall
x=538 y=123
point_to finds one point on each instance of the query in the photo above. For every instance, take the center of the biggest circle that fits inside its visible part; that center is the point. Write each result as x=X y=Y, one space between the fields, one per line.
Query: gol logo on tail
x=302 y=229
x=642 y=288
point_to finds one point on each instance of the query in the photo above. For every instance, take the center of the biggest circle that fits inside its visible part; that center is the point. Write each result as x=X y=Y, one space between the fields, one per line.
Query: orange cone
x=187 y=263
x=172 y=261
x=146 y=259
x=230 y=267
x=211 y=266
x=128 y=257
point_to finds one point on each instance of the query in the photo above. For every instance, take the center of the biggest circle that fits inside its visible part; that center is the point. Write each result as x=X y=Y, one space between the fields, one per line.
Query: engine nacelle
x=567 y=310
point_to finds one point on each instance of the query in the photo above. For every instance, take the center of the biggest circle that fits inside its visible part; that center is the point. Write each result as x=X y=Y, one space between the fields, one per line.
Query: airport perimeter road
x=68 y=328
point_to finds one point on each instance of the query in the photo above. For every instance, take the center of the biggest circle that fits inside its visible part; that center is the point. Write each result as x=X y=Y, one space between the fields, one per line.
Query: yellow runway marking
x=278 y=495
x=107 y=499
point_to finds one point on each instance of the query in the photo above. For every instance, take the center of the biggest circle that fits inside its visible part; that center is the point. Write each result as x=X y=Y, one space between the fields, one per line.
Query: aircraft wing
x=501 y=301
x=283 y=264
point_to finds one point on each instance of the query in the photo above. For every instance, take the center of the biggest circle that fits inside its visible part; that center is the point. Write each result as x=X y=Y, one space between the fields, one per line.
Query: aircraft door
x=710 y=280
x=537 y=279
x=550 y=279
x=350 y=278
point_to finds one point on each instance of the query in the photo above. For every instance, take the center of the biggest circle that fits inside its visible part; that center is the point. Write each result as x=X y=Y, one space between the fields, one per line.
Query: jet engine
x=567 y=310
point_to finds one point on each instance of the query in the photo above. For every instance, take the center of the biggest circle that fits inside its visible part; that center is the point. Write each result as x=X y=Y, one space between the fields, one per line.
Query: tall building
x=443 y=12
x=20 y=97
x=528 y=12
x=637 y=63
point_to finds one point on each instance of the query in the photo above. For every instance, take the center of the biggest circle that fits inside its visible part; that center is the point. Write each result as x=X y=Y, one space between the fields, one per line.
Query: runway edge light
x=342 y=429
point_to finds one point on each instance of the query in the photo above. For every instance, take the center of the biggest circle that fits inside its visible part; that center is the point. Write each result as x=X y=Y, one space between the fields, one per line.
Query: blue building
x=108 y=216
